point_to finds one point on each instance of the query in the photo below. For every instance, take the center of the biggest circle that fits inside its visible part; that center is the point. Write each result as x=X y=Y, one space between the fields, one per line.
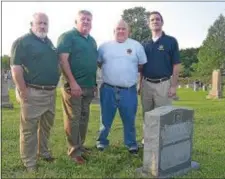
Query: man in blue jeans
x=120 y=61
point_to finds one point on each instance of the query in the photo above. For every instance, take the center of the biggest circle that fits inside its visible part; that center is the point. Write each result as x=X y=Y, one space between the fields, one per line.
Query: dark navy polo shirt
x=161 y=56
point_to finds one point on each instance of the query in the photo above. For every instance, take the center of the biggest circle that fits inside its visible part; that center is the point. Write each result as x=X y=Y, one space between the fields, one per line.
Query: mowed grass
x=115 y=161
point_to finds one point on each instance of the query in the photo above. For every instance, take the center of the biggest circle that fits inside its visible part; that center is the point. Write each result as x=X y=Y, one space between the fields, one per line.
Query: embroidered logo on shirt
x=161 y=47
x=129 y=51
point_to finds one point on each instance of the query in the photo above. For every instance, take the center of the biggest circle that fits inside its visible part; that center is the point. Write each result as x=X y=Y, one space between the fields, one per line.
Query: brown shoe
x=78 y=159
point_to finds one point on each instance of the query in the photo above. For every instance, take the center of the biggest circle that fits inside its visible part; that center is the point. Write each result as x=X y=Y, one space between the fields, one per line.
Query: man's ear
x=31 y=24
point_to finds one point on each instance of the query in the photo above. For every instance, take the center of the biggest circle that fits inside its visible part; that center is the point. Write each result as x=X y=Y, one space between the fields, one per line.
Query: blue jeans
x=126 y=101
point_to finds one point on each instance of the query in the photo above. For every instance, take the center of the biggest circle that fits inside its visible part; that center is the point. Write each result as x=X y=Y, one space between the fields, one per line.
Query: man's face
x=121 y=32
x=155 y=22
x=84 y=23
x=40 y=25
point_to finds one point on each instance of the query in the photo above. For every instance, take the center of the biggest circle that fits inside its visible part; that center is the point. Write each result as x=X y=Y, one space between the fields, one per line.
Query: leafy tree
x=212 y=53
x=5 y=62
x=188 y=57
x=137 y=18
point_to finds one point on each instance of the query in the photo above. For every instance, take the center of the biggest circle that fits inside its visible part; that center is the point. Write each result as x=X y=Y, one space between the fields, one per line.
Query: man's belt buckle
x=157 y=80
x=41 y=87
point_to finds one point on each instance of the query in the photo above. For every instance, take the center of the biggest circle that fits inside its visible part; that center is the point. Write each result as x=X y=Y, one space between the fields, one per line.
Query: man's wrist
x=21 y=90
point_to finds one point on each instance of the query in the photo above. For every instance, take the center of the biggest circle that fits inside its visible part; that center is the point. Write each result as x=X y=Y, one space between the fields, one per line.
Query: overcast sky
x=187 y=21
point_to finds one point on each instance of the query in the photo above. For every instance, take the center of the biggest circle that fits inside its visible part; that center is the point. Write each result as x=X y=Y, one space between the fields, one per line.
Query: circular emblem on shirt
x=161 y=47
x=129 y=51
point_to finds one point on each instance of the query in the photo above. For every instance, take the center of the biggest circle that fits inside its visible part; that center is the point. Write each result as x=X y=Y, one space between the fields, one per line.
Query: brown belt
x=40 y=87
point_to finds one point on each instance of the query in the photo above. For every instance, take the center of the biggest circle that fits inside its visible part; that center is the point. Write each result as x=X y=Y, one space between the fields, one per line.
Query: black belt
x=40 y=87
x=156 y=80
x=119 y=87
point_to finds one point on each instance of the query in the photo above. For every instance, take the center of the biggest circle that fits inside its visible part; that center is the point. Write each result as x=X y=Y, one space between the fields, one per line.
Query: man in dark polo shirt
x=35 y=71
x=78 y=56
x=159 y=77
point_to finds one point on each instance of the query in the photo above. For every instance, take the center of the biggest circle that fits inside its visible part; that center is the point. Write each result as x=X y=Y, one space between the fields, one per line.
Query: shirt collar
x=86 y=37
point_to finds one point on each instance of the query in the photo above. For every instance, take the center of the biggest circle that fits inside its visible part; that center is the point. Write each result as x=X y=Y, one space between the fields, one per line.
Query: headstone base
x=7 y=105
x=141 y=173
x=214 y=95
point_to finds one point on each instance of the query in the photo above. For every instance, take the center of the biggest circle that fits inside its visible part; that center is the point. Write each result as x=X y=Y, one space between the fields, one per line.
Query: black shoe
x=133 y=151
x=48 y=159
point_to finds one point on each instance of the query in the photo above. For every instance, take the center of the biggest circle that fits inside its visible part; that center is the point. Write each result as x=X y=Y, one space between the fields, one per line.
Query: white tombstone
x=5 y=103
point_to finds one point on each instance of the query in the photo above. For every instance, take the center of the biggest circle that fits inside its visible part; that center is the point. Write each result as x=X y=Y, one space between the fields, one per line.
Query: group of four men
x=36 y=66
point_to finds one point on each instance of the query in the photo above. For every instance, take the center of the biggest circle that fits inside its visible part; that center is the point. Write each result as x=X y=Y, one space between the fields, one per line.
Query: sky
x=188 y=22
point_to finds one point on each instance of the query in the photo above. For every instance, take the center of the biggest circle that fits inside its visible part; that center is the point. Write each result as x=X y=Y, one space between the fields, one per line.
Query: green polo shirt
x=38 y=58
x=82 y=56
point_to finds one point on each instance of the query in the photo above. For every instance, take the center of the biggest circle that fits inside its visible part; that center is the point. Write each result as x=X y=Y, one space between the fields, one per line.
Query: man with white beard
x=35 y=71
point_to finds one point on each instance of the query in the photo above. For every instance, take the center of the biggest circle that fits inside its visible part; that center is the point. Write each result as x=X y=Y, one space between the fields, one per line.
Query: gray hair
x=37 y=14
x=85 y=12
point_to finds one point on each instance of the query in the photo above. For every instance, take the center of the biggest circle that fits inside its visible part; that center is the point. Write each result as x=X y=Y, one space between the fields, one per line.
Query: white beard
x=41 y=35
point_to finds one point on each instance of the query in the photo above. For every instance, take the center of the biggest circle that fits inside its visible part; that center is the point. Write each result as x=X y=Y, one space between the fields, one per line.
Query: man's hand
x=172 y=91
x=21 y=95
x=75 y=90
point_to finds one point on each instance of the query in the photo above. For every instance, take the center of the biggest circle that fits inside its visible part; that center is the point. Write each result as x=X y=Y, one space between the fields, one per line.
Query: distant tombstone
x=187 y=86
x=5 y=103
x=179 y=86
x=216 y=91
x=204 y=88
x=96 y=99
x=195 y=87
x=168 y=142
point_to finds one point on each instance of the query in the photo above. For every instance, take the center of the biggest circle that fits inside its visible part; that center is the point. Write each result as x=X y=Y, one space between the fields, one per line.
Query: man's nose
x=42 y=25
x=85 y=21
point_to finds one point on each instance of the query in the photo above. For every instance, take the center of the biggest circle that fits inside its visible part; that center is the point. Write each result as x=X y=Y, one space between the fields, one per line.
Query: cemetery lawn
x=115 y=161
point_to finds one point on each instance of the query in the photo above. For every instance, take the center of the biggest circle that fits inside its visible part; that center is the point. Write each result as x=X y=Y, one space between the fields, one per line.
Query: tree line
x=196 y=62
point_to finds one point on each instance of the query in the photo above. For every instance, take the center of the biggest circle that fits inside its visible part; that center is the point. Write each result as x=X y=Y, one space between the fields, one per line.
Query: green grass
x=115 y=161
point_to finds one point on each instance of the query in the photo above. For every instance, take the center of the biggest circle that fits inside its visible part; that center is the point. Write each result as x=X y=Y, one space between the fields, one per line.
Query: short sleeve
x=142 y=59
x=100 y=54
x=17 y=53
x=64 y=43
x=175 y=52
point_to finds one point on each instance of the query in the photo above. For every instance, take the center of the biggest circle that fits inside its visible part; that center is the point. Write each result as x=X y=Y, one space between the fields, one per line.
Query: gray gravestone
x=5 y=103
x=168 y=142
x=195 y=87
x=96 y=99
x=204 y=88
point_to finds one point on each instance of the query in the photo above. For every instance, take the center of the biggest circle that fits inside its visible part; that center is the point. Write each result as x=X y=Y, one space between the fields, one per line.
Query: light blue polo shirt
x=120 y=62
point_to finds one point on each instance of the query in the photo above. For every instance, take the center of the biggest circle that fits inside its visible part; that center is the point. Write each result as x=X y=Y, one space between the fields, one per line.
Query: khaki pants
x=36 y=120
x=154 y=95
x=76 y=117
